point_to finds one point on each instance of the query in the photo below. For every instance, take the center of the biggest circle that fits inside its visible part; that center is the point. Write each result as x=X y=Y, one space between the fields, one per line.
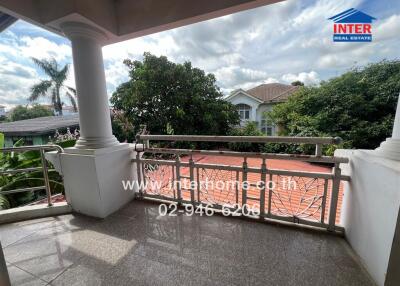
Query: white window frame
x=244 y=111
x=267 y=127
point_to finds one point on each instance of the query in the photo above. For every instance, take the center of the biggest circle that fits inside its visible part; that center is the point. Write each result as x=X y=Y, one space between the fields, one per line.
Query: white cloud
x=310 y=78
x=387 y=29
x=283 y=42
x=41 y=48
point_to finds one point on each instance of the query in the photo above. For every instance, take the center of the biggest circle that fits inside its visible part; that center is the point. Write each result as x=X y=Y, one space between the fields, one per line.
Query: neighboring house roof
x=352 y=16
x=239 y=91
x=272 y=92
x=39 y=126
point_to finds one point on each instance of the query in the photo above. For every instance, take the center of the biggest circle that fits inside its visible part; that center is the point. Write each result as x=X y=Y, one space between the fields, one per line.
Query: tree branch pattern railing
x=309 y=198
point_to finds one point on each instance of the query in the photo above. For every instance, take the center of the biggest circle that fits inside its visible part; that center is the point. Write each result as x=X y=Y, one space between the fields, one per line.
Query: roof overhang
x=124 y=19
x=6 y=21
x=241 y=91
x=32 y=133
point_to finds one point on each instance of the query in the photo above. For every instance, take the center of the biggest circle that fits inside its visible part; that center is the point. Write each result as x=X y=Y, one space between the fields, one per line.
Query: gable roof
x=241 y=91
x=272 y=92
x=39 y=126
x=352 y=16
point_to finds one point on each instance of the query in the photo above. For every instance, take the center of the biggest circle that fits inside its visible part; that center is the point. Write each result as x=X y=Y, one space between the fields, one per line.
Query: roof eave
x=245 y=93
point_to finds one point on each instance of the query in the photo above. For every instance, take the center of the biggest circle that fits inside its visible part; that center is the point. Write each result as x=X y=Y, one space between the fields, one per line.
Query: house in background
x=37 y=131
x=253 y=103
x=66 y=109
x=2 y=110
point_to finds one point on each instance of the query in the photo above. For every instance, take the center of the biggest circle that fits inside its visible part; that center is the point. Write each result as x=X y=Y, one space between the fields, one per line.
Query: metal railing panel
x=315 y=196
x=44 y=168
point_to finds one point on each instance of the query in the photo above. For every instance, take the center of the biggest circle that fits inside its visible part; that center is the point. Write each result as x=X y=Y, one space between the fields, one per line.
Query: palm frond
x=62 y=75
x=72 y=90
x=49 y=67
x=72 y=99
x=39 y=90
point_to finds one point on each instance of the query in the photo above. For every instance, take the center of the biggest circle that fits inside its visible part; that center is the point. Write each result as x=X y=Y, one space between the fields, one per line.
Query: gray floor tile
x=137 y=246
x=19 y=277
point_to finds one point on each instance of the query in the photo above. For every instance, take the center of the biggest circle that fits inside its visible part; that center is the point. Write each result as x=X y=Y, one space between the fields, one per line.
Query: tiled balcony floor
x=136 y=246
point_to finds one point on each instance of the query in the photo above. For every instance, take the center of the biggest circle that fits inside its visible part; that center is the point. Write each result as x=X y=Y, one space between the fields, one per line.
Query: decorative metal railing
x=250 y=186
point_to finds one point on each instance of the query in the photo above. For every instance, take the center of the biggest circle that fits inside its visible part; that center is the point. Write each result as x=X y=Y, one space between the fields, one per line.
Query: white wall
x=370 y=209
x=260 y=114
x=244 y=99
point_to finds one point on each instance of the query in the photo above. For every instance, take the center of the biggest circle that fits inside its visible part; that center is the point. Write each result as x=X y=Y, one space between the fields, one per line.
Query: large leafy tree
x=358 y=106
x=21 y=112
x=54 y=86
x=173 y=98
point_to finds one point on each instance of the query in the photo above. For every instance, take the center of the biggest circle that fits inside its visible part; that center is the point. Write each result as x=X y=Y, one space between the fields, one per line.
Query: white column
x=95 y=169
x=94 y=111
x=396 y=126
x=391 y=147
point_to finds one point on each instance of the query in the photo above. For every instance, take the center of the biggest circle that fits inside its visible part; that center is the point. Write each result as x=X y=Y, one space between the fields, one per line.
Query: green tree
x=173 y=98
x=122 y=127
x=54 y=85
x=358 y=106
x=297 y=83
x=249 y=129
x=21 y=112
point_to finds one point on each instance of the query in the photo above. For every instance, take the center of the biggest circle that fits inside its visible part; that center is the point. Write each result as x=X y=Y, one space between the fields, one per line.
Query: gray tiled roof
x=39 y=126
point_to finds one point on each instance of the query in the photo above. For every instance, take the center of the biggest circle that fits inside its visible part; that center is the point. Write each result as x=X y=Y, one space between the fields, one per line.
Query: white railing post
x=334 y=197
x=191 y=178
x=262 y=190
x=390 y=148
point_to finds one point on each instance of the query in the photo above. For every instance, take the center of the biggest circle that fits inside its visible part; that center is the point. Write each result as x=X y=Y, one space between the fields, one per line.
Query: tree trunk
x=59 y=105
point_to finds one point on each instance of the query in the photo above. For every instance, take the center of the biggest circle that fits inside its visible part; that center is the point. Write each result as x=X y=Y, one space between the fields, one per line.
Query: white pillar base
x=93 y=178
x=389 y=149
x=96 y=142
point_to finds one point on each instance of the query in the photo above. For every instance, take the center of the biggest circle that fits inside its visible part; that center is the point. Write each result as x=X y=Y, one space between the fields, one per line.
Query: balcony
x=349 y=212
x=285 y=230
x=137 y=246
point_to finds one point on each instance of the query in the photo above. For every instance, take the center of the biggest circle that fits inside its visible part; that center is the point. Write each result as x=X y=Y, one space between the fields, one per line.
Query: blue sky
x=283 y=42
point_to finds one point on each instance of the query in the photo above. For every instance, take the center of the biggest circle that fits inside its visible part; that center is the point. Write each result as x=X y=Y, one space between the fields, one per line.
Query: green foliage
x=122 y=127
x=21 y=112
x=169 y=97
x=21 y=160
x=358 y=106
x=54 y=85
x=250 y=129
x=297 y=83
x=66 y=143
x=4 y=203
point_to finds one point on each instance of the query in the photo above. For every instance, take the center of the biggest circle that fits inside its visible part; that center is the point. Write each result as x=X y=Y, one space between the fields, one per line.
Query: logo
x=352 y=26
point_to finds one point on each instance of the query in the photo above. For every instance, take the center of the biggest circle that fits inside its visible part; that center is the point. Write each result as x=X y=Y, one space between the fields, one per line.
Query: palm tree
x=54 y=86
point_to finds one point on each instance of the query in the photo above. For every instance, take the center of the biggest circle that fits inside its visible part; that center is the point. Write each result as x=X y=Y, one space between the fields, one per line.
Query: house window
x=244 y=111
x=27 y=141
x=267 y=127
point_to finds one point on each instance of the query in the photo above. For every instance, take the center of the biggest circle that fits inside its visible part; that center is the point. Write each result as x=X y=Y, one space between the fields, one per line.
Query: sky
x=283 y=42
